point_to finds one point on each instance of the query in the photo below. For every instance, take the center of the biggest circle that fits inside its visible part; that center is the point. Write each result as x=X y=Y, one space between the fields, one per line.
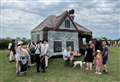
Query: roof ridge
x=54 y=22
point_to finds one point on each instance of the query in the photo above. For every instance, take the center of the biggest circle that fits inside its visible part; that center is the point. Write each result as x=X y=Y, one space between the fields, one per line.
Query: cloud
x=16 y=23
x=14 y=3
x=50 y=2
x=100 y=16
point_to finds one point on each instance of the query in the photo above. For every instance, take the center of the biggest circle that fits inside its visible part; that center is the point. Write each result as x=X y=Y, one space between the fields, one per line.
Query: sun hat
x=19 y=42
x=98 y=51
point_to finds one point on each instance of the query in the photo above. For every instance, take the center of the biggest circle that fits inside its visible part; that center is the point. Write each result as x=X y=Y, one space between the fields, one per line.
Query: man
x=44 y=55
x=12 y=53
x=32 y=52
x=37 y=55
x=45 y=48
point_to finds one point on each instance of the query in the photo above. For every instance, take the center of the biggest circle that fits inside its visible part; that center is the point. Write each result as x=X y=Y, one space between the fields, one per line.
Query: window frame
x=70 y=45
x=67 y=23
x=37 y=37
x=60 y=46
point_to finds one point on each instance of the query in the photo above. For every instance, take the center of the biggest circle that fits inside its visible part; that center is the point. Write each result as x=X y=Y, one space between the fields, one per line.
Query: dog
x=80 y=63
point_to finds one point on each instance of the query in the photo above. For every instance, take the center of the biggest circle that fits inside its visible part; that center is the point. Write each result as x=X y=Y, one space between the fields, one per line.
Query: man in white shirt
x=44 y=51
x=12 y=52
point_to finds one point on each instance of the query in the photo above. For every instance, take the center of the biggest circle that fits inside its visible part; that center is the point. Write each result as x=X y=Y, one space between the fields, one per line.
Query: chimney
x=71 y=13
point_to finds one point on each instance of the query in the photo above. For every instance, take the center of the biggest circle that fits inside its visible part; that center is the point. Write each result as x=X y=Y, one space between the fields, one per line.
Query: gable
x=67 y=24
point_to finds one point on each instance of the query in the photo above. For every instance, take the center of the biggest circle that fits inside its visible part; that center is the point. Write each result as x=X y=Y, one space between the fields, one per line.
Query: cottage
x=61 y=31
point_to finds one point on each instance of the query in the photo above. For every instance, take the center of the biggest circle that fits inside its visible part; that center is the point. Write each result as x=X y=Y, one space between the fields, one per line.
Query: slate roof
x=53 y=22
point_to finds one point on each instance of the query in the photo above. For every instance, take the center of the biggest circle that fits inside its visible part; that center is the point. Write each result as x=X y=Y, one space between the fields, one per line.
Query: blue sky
x=19 y=17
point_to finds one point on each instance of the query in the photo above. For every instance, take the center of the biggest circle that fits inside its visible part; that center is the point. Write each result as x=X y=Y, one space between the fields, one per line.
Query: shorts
x=105 y=61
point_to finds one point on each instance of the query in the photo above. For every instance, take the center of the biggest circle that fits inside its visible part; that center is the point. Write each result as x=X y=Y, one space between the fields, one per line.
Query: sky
x=19 y=17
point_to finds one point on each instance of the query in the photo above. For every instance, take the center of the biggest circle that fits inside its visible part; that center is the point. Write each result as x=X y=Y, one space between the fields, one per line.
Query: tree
x=104 y=38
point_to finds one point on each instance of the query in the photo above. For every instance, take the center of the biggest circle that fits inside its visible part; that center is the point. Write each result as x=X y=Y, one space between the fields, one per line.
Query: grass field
x=57 y=72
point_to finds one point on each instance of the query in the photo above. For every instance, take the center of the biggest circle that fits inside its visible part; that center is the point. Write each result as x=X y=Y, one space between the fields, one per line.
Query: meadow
x=57 y=72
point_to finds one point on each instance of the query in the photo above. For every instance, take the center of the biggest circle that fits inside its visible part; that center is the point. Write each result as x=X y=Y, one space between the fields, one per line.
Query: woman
x=89 y=58
x=22 y=58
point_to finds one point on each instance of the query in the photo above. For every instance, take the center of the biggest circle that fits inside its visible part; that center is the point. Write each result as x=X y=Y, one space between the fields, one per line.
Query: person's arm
x=46 y=49
x=28 y=56
x=9 y=45
x=36 y=47
x=85 y=52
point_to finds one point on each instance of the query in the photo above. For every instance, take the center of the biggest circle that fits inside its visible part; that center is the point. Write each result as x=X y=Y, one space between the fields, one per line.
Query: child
x=105 y=56
x=67 y=56
x=98 y=62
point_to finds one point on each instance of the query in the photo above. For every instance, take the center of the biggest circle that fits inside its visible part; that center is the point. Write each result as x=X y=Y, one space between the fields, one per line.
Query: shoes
x=18 y=73
x=96 y=72
x=12 y=61
x=105 y=72
x=99 y=73
x=43 y=71
x=38 y=71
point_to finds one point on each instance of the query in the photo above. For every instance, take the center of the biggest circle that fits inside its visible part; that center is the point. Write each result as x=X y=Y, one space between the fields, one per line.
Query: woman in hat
x=17 y=57
x=22 y=58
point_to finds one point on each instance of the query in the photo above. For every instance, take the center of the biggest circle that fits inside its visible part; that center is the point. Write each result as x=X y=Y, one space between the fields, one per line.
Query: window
x=38 y=37
x=67 y=23
x=57 y=46
x=70 y=44
x=84 y=41
x=32 y=37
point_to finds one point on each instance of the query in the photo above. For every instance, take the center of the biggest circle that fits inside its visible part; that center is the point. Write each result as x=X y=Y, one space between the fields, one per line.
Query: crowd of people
x=37 y=54
x=29 y=55
x=95 y=54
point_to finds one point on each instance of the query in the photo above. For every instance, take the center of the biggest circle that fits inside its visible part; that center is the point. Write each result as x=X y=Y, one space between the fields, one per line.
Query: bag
x=23 y=66
x=32 y=50
x=12 y=46
x=38 y=50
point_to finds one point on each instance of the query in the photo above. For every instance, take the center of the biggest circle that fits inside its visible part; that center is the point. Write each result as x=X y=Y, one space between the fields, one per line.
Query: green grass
x=57 y=72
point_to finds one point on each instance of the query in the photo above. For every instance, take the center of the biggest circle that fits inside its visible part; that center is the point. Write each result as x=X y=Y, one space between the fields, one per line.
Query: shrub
x=4 y=44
